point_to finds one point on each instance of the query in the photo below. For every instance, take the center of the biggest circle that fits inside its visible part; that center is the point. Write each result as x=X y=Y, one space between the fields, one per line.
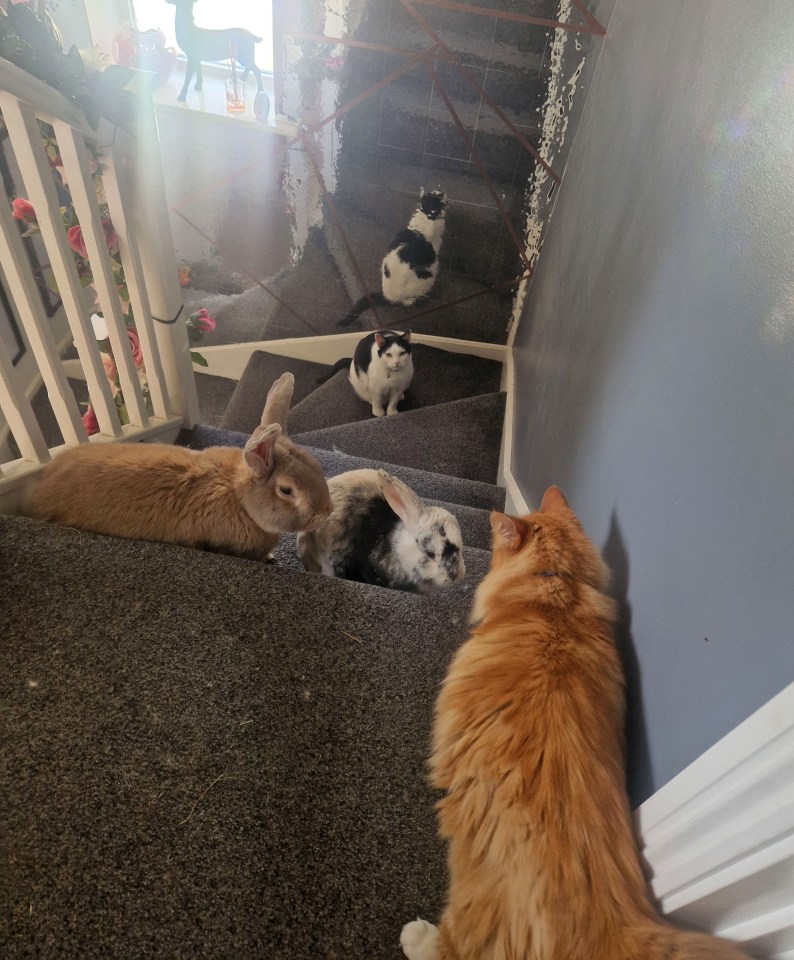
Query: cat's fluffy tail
x=370 y=299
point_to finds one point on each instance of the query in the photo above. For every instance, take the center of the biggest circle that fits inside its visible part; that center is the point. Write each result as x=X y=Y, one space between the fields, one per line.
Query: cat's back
x=362 y=355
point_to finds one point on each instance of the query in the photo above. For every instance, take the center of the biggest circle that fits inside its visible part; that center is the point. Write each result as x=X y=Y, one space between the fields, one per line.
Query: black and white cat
x=410 y=267
x=382 y=369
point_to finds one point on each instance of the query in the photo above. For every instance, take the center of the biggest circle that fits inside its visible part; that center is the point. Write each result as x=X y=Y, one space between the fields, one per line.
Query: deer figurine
x=199 y=44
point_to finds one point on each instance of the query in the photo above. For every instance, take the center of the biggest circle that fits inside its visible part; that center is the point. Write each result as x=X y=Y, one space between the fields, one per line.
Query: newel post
x=158 y=259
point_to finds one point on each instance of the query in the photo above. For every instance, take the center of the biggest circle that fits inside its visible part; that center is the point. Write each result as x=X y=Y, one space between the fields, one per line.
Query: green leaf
x=197 y=358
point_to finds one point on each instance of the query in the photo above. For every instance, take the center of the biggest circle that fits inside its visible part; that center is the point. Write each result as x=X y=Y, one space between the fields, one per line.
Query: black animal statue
x=199 y=44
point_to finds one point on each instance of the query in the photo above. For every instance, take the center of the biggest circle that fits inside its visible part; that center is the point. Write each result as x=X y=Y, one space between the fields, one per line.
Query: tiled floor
x=414 y=93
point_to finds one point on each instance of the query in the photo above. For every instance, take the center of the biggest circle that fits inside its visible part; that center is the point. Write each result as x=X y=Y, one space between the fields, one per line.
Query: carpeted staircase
x=208 y=756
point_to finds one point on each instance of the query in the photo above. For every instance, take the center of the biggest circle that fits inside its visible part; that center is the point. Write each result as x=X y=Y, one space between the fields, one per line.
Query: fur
x=223 y=498
x=382 y=369
x=409 y=269
x=380 y=532
x=528 y=747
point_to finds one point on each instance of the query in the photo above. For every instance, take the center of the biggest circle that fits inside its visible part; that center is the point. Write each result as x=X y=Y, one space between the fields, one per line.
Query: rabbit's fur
x=380 y=532
x=223 y=498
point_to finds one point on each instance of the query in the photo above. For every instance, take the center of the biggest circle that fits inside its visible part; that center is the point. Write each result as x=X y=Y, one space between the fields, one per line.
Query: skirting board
x=718 y=839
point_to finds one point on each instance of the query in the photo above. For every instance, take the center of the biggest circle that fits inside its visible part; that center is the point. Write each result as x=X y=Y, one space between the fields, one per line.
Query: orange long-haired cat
x=528 y=745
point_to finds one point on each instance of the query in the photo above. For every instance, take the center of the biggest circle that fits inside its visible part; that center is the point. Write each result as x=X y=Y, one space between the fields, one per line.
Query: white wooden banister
x=131 y=175
x=25 y=294
x=71 y=145
x=153 y=229
x=19 y=413
x=23 y=130
x=119 y=201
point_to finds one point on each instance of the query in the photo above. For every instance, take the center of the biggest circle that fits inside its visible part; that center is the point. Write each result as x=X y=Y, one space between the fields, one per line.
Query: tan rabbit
x=223 y=498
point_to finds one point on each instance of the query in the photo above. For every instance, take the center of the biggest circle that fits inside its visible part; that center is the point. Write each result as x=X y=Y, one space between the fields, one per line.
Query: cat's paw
x=419 y=940
x=378 y=412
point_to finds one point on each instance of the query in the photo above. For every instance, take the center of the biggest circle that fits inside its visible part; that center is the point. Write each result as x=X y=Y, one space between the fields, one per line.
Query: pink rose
x=23 y=210
x=135 y=346
x=202 y=321
x=90 y=422
x=75 y=237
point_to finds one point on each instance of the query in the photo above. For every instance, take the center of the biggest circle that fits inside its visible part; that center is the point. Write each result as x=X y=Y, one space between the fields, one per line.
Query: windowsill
x=211 y=100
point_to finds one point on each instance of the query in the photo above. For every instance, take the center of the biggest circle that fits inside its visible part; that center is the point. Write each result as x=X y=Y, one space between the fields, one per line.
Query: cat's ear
x=259 y=448
x=553 y=501
x=506 y=530
x=407 y=335
x=400 y=498
x=379 y=341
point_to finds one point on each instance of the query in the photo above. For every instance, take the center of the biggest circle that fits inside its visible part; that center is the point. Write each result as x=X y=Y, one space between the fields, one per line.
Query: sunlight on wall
x=254 y=16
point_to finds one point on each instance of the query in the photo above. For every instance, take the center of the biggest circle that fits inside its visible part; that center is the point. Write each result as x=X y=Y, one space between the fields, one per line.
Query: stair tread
x=449 y=489
x=244 y=410
x=461 y=438
x=256 y=737
x=439 y=377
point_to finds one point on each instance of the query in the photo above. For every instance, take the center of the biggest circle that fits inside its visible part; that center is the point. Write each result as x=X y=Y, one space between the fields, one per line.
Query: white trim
x=229 y=360
x=515 y=503
x=718 y=839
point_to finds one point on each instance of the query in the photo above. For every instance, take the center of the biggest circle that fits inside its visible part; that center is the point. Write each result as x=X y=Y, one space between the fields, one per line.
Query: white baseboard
x=515 y=503
x=718 y=839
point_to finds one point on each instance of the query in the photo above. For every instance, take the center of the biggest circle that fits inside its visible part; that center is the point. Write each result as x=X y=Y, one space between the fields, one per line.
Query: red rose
x=75 y=237
x=23 y=210
x=90 y=422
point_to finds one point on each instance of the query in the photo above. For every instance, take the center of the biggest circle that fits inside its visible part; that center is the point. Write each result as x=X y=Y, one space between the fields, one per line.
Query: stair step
x=238 y=739
x=461 y=438
x=439 y=377
x=214 y=395
x=248 y=400
x=447 y=489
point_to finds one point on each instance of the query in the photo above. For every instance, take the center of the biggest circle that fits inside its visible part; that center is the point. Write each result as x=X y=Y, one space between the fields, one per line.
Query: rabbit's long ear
x=278 y=401
x=400 y=498
x=258 y=450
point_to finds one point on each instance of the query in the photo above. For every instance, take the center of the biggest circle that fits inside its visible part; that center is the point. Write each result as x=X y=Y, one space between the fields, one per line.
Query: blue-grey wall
x=655 y=361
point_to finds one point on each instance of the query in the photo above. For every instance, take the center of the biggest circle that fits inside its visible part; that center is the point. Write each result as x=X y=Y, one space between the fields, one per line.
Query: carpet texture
x=220 y=758
x=245 y=407
x=450 y=490
x=439 y=377
x=461 y=438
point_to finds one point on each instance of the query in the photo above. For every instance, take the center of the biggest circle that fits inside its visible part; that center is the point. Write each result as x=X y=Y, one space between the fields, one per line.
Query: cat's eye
x=285 y=491
x=431 y=554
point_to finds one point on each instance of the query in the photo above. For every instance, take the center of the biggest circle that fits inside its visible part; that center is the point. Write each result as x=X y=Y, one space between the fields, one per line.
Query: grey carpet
x=448 y=489
x=439 y=377
x=218 y=758
x=214 y=394
x=461 y=438
x=244 y=410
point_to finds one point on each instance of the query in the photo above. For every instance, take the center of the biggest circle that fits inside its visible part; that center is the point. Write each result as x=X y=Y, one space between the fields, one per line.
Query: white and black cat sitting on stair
x=381 y=369
x=410 y=267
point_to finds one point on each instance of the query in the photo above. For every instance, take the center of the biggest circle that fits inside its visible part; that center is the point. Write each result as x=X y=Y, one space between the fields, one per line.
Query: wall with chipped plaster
x=655 y=361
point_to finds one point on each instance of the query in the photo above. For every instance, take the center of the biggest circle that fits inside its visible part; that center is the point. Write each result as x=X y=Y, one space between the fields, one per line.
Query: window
x=254 y=15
